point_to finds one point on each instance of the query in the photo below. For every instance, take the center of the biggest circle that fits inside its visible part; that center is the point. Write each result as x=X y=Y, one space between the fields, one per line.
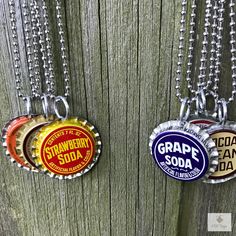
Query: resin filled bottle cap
x=183 y=150
x=66 y=149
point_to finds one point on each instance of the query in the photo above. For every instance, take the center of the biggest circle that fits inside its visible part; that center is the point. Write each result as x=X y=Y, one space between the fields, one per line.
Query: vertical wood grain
x=122 y=56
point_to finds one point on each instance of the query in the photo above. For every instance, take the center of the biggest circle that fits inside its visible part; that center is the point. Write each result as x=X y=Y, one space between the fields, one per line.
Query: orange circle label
x=68 y=150
x=11 y=138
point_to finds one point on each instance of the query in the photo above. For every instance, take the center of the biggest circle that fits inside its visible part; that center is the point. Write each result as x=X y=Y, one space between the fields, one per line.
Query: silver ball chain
x=204 y=52
x=63 y=49
x=215 y=13
x=32 y=58
x=16 y=54
x=181 y=51
x=191 y=45
x=31 y=55
x=40 y=37
x=46 y=48
x=181 y=48
x=218 y=35
x=213 y=42
x=37 y=38
x=233 y=49
x=50 y=79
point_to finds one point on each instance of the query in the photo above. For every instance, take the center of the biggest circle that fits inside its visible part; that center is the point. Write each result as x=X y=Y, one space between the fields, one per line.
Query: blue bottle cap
x=183 y=150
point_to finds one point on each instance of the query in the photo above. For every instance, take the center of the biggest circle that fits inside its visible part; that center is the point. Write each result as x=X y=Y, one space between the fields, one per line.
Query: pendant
x=67 y=149
x=9 y=139
x=224 y=135
x=183 y=150
x=25 y=136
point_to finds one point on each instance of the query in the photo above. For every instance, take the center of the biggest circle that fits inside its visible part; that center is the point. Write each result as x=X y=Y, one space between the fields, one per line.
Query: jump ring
x=45 y=104
x=28 y=105
x=222 y=110
x=201 y=102
x=184 y=110
x=66 y=105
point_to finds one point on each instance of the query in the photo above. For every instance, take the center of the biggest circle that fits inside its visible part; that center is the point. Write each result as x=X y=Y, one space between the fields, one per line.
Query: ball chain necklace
x=184 y=150
x=224 y=132
x=10 y=130
x=27 y=131
x=168 y=148
x=61 y=146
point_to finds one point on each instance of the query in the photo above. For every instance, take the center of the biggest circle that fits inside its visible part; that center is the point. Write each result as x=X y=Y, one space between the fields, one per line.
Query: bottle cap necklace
x=67 y=147
x=28 y=130
x=215 y=122
x=224 y=132
x=183 y=150
x=10 y=130
x=70 y=146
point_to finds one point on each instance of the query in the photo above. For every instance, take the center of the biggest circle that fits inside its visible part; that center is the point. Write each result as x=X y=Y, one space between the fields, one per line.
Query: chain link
x=204 y=51
x=180 y=48
x=38 y=44
x=29 y=51
x=202 y=84
x=213 y=43
x=191 y=45
x=63 y=48
x=233 y=49
x=50 y=79
x=42 y=44
x=16 y=53
x=218 y=51
x=190 y=49
x=215 y=13
x=35 y=39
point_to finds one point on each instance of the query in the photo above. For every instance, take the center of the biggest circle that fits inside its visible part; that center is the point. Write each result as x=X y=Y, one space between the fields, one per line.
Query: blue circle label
x=180 y=155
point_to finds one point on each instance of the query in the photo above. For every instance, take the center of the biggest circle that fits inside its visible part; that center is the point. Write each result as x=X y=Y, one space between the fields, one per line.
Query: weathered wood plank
x=157 y=38
x=121 y=17
x=122 y=63
x=92 y=60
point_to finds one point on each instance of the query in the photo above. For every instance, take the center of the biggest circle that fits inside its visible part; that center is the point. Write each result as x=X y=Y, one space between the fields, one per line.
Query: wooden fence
x=122 y=56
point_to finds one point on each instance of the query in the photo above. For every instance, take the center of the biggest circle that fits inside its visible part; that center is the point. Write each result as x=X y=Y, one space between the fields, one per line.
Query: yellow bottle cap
x=66 y=149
